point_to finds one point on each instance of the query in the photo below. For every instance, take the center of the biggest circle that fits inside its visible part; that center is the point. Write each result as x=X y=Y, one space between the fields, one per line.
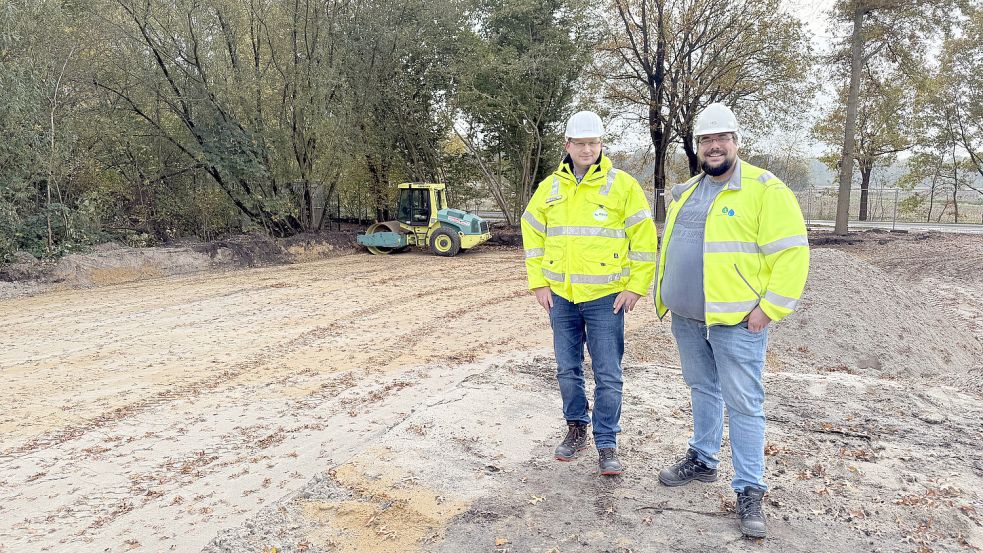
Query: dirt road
x=407 y=404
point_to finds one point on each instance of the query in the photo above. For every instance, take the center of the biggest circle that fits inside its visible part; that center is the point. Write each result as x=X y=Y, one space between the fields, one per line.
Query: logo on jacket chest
x=600 y=214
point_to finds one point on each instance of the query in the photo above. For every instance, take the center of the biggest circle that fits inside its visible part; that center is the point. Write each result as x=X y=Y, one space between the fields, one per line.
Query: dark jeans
x=595 y=324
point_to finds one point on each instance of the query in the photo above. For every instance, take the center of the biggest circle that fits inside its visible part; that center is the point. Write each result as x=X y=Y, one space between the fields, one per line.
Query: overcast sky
x=815 y=15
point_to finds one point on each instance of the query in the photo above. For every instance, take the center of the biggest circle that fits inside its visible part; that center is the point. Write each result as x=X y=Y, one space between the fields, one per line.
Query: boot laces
x=574 y=433
x=749 y=505
x=686 y=466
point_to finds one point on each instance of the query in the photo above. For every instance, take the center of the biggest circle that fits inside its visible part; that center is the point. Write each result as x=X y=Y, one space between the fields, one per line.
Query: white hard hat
x=585 y=124
x=715 y=118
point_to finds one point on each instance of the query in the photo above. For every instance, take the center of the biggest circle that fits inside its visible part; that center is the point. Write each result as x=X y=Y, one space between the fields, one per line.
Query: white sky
x=814 y=13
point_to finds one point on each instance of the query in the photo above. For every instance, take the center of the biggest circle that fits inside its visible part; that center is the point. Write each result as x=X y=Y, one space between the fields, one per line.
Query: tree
x=667 y=60
x=898 y=29
x=949 y=133
x=960 y=80
x=884 y=126
x=401 y=72
x=514 y=91
x=42 y=160
x=183 y=98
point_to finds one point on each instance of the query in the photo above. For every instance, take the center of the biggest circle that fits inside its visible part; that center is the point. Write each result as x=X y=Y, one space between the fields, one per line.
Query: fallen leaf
x=501 y=541
x=536 y=499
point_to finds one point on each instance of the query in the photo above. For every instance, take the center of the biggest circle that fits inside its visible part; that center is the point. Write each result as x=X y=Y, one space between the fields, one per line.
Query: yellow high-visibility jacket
x=755 y=249
x=589 y=240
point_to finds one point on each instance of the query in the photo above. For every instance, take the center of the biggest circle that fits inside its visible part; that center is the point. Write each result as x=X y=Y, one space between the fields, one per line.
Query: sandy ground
x=408 y=403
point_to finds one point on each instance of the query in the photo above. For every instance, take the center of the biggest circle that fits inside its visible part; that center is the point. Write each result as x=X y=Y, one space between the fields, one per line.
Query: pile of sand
x=112 y=263
x=115 y=264
x=856 y=318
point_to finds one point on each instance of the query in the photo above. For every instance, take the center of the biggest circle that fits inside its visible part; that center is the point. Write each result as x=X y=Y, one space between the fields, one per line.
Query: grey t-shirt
x=682 y=283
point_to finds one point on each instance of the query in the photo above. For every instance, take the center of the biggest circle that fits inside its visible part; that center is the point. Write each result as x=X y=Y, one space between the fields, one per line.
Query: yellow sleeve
x=533 y=225
x=784 y=242
x=643 y=240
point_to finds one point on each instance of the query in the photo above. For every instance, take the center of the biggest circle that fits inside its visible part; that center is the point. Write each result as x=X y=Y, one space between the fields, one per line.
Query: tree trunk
x=955 y=191
x=691 y=157
x=658 y=128
x=931 y=196
x=659 y=174
x=955 y=185
x=846 y=160
x=494 y=181
x=865 y=170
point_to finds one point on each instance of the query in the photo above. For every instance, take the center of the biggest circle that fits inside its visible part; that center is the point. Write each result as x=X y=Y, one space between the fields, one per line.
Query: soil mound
x=859 y=319
x=115 y=264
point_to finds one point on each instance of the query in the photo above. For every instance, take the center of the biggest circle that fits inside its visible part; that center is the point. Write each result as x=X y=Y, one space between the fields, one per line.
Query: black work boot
x=607 y=459
x=575 y=441
x=686 y=470
x=749 y=510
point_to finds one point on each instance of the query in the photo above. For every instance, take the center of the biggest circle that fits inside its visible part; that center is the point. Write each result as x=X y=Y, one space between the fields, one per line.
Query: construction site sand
x=858 y=318
x=408 y=404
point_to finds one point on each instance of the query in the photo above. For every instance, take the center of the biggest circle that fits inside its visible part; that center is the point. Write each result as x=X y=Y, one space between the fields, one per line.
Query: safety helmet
x=584 y=124
x=715 y=118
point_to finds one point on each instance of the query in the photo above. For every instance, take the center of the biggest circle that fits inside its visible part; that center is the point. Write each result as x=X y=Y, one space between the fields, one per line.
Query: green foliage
x=911 y=204
x=149 y=121
x=895 y=35
x=515 y=90
x=22 y=145
x=885 y=125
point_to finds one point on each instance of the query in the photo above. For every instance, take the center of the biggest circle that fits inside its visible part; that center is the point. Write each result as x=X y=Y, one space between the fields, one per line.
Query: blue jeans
x=595 y=324
x=725 y=369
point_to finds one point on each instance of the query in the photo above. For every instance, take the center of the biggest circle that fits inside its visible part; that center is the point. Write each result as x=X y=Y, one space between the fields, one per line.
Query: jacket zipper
x=706 y=221
x=755 y=292
x=749 y=286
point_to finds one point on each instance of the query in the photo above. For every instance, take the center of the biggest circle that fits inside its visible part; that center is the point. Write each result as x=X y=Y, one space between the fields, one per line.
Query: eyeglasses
x=581 y=144
x=723 y=140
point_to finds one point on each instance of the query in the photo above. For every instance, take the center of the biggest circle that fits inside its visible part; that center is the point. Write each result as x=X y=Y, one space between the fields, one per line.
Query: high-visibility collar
x=599 y=169
x=734 y=183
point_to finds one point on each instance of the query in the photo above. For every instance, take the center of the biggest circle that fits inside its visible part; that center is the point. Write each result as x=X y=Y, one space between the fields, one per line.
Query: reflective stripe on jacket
x=589 y=240
x=755 y=249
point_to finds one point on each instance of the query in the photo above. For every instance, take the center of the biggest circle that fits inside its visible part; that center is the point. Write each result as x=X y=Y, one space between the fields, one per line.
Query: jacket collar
x=596 y=171
x=733 y=184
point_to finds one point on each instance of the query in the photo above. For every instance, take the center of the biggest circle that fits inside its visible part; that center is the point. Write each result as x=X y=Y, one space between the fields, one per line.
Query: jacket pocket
x=605 y=210
x=553 y=270
x=607 y=260
x=747 y=282
x=605 y=267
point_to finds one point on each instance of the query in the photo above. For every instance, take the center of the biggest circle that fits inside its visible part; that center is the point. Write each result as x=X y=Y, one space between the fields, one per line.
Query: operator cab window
x=414 y=206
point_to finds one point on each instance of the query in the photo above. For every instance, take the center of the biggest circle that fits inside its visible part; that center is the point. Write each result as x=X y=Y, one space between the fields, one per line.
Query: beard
x=718 y=170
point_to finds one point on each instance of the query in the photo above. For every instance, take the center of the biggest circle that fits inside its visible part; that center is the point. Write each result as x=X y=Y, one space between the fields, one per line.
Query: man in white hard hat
x=734 y=258
x=590 y=247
